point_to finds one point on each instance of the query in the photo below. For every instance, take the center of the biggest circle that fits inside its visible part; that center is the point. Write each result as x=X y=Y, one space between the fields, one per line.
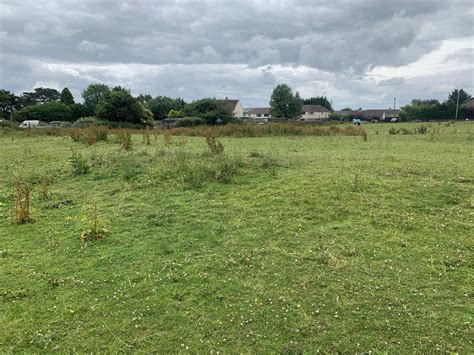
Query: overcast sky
x=359 y=53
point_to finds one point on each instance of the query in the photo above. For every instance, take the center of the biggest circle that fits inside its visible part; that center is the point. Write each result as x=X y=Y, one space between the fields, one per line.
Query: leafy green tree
x=39 y=96
x=94 y=95
x=147 y=116
x=453 y=97
x=81 y=110
x=120 y=106
x=144 y=99
x=161 y=105
x=8 y=103
x=212 y=111
x=66 y=97
x=47 y=112
x=427 y=110
x=284 y=104
x=175 y=114
x=319 y=100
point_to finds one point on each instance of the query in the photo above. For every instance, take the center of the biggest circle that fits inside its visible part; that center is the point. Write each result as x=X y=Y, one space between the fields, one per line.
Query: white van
x=29 y=124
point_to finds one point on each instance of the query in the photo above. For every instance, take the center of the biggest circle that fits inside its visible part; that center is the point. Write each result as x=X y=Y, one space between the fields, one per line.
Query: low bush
x=89 y=135
x=190 y=122
x=44 y=182
x=86 y=122
x=215 y=146
x=422 y=129
x=124 y=138
x=80 y=165
x=194 y=170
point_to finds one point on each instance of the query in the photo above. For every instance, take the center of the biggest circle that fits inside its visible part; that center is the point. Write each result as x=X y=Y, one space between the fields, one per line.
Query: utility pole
x=394 y=103
x=457 y=106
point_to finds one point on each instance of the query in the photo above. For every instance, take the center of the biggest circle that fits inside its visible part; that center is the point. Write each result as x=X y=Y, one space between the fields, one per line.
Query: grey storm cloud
x=210 y=48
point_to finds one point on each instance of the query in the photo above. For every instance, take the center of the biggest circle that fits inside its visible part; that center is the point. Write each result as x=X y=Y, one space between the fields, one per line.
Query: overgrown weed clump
x=93 y=231
x=89 y=135
x=124 y=138
x=423 y=129
x=44 y=182
x=21 y=209
x=80 y=165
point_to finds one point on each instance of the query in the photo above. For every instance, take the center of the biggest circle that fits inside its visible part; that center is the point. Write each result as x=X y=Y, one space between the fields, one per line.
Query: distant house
x=259 y=112
x=315 y=113
x=235 y=106
x=468 y=107
x=469 y=104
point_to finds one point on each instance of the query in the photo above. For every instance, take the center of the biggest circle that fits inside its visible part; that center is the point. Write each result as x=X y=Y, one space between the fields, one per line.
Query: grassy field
x=281 y=244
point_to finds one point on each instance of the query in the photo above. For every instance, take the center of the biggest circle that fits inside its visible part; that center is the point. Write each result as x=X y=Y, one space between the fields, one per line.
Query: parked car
x=356 y=121
x=394 y=119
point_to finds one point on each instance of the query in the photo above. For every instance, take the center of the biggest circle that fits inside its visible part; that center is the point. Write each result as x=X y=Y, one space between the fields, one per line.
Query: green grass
x=282 y=244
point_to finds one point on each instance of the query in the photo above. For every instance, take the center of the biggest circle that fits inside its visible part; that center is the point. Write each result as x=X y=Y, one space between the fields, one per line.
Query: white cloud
x=92 y=47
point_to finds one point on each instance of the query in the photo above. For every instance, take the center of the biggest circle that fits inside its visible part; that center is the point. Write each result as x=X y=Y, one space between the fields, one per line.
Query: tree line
x=118 y=105
x=114 y=105
x=432 y=109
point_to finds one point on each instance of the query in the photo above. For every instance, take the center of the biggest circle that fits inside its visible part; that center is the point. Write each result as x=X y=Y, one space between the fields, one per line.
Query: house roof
x=469 y=99
x=230 y=103
x=314 y=108
x=259 y=111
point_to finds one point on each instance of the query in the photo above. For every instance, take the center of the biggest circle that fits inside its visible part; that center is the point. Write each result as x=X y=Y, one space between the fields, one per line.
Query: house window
x=266 y=115
x=259 y=115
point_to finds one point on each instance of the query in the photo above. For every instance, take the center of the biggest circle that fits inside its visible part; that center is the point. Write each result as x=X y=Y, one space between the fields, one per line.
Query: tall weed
x=21 y=210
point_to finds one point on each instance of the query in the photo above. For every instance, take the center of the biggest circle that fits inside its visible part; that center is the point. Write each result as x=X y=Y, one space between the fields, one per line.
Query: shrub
x=392 y=130
x=47 y=112
x=86 y=122
x=100 y=133
x=223 y=168
x=80 y=166
x=175 y=114
x=190 y=122
x=8 y=124
x=124 y=137
x=76 y=134
x=422 y=129
x=215 y=146
x=21 y=210
x=130 y=167
x=43 y=183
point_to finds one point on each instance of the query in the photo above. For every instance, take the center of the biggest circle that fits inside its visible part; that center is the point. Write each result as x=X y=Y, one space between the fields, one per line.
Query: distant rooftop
x=314 y=108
